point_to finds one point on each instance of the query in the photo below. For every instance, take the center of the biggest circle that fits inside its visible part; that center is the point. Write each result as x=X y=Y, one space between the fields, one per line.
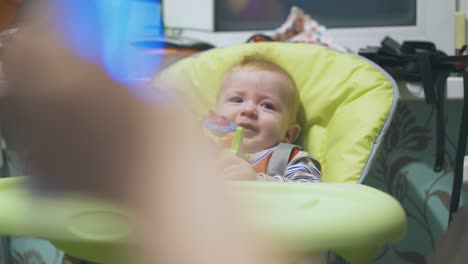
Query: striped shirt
x=302 y=167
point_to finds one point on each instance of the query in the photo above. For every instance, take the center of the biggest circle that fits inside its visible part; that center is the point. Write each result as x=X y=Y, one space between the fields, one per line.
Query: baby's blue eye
x=269 y=106
x=236 y=100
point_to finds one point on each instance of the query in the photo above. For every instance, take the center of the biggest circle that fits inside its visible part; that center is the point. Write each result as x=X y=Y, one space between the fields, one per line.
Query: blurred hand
x=235 y=168
x=83 y=132
x=75 y=126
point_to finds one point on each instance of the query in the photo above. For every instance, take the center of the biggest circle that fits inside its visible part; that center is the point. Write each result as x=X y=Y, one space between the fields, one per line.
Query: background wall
x=403 y=169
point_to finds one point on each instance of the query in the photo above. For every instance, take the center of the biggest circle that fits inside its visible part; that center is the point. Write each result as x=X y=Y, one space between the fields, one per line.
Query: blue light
x=102 y=31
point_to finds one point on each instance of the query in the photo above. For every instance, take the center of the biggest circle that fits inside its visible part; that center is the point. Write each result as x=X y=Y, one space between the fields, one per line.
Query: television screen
x=235 y=15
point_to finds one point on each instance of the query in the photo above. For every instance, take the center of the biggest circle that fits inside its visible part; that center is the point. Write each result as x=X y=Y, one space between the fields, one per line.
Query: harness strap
x=435 y=83
x=461 y=150
x=425 y=67
x=280 y=158
x=441 y=86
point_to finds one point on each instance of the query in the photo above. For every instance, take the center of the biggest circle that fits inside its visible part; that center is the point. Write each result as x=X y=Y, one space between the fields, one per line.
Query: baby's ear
x=292 y=133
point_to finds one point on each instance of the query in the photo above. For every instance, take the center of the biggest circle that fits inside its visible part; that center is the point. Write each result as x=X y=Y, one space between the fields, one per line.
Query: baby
x=262 y=97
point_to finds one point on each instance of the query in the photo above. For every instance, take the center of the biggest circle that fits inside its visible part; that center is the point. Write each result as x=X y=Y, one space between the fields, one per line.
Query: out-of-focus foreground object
x=451 y=249
x=83 y=135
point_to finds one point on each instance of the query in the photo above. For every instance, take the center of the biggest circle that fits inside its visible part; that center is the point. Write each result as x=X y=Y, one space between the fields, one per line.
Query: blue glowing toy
x=102 y=31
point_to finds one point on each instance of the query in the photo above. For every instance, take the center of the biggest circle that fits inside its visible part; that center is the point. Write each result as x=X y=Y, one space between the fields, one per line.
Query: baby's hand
x=235 y=168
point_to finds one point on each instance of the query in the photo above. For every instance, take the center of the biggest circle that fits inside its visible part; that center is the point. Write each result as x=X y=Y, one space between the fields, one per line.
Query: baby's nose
x=249 y=109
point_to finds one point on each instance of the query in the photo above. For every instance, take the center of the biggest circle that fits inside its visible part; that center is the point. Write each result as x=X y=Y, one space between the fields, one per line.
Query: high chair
x=347 y=104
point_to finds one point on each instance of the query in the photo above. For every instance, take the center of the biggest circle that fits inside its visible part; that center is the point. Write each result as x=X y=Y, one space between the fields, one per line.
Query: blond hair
x=258 y=63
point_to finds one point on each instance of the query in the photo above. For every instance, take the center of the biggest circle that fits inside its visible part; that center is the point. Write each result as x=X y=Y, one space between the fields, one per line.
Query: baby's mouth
x=248 y=128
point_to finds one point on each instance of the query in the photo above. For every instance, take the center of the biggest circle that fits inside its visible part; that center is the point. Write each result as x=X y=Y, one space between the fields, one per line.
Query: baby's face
x=259 y=101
